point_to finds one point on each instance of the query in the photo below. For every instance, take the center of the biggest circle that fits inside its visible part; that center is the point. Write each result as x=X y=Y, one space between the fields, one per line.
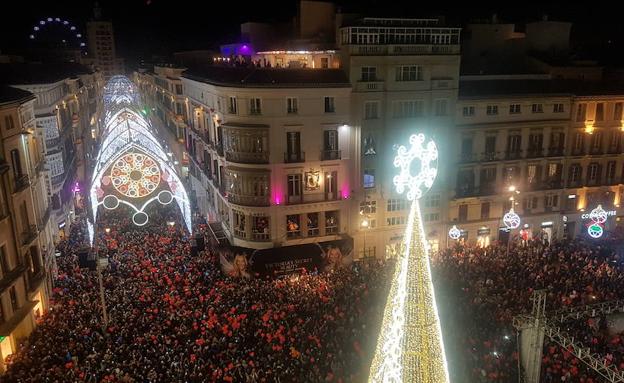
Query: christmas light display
x=511 y=219
x=598 y=217
x=132 y=160
x=410 y=346
x=454 y=233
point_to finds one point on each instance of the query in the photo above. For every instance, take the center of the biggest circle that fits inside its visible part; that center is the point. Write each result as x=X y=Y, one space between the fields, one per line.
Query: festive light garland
x=410 y=346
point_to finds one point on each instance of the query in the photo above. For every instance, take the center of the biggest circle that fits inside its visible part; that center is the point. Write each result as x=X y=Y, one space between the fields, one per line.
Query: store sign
x=610 y=213
x=547 y=224
x=483 y=231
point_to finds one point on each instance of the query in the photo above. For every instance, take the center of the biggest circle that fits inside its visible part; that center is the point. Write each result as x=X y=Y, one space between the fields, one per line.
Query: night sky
x=147 y=27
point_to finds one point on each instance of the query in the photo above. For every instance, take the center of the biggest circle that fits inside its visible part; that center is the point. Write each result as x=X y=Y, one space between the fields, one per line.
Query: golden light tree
x=410 y=346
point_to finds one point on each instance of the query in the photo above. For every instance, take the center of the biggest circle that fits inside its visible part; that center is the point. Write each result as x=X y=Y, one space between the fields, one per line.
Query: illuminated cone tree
x=410 y=347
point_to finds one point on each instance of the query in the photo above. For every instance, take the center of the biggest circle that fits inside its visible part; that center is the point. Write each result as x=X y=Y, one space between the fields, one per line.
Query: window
x=369 y=178
x=255 y=106
x=533 y=174
x=441 y=107
x=596 y=142
x=551 y=200
x=617 y=110
x=329 y=105
x=557 y=108
x=294 y=184
x=466 y=148
x=313 y=224
x=408 y=109
x=233 y=106
x=178 y=108
x=393 y=221
x=14 y=301
x=368 y=207
x=8 y=122
x=239 y=224
x=575 y=172
x=397 y=204
x=293 y=144
x=611 y=170
x=178 y=88
x=530 y=203
x=581 y=110
x=371 y=110
x=462 y=213
x=16 y=163
x=514 y=109
x=578 y=142
x=330 y=140
x=4 y=262
x=485 y=210
x=490 y=145
x=369 y=146
x=554 y=170
x=537 y=108
x=324 y=62
x=593 y=172
x=292 y=226
x=492 y=110
x=432 y=200
x=468 y=111
x=514 y=142
x=430 y=217
x=600 y=111
x=369 y=73
x=409 y=73
x=291 y=105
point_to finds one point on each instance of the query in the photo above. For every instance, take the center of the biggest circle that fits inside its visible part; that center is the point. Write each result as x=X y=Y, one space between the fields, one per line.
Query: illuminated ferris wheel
x=54 y=31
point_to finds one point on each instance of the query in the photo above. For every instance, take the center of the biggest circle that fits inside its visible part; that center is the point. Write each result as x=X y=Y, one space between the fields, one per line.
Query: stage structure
x=132 y=168
x=410 y=347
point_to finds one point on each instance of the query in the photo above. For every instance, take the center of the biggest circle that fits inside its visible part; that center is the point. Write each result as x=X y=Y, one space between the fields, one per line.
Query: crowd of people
x=174 y=317
x=481 y=289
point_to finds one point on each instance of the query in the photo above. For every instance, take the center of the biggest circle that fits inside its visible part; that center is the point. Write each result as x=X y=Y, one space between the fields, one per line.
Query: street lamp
x=107 y=230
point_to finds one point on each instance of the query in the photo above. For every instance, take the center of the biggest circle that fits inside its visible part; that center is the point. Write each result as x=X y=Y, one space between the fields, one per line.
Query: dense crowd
x=174 y=317
x=483 y=289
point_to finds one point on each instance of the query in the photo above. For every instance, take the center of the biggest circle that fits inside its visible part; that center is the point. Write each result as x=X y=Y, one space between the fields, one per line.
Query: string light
x=410 y=346
x=598 y=217
x=511 y=219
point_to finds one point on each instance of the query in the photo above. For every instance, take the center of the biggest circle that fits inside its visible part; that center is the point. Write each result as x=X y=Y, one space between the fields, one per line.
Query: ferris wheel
x=57 y=31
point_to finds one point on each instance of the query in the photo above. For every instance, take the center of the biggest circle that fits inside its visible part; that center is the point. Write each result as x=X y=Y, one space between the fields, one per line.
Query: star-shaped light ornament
x=416 y=184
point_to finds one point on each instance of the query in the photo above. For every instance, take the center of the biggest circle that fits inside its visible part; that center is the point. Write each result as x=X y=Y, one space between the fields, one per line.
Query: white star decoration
x=418 y=184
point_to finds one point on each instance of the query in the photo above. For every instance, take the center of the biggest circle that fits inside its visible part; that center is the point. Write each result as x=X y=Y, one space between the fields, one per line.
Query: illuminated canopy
x=132 y=160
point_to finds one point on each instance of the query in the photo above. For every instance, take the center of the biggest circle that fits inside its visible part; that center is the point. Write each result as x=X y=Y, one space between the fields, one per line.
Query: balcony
x=403 y=49
x=327 y=155
x=578 y=152
x=490 y=156
x=247 y=157
x=553 y=184
x=219 y=148
x=29 y=235
x=612 y=181
x=596 y=151
x=614 y=150
x=52 y=143
x=467 y=157
x=248 y=200
x=40 y=165
x=21 y=183
x=11 y=276
x=369 y=86
x=535 y=153
x=513 y=155
x=35 y=280
x=555 y=152
x=595 y=182
x=45 y=218
x=294 y=157
x=574 y=184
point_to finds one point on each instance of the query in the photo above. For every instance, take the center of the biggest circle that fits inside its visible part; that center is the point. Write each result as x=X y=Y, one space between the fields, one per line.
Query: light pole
x=365 y=224
x=102 y=263
x=511 y=219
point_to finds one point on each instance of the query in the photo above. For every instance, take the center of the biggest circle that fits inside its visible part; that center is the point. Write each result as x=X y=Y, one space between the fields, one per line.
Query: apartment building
x=270 y=152
x=553 y=146
x=404 y=75
x=66 y=114
x=101 y=44
x=26 y=233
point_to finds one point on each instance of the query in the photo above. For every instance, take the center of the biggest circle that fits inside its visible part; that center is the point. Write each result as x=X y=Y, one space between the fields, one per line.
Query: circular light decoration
x=140 y=218
x=511 y=219
x=110 y=202
x=454 y=233
x=165 y=197
x=595 y=230
x=135 y=175
x=420 y=181
x=598 y=215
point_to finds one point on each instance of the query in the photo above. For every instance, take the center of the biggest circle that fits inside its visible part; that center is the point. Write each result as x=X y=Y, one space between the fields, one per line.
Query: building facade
x=101 y=44
x=270 y=157
x=26 y=232
x=404 y=75
x=555 y=149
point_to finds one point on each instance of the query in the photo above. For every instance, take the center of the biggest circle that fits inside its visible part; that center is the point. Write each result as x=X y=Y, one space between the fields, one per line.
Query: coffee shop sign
x=610 y=213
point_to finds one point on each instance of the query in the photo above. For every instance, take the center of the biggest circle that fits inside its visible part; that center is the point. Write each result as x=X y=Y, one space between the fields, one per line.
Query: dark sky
x=145 y=27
